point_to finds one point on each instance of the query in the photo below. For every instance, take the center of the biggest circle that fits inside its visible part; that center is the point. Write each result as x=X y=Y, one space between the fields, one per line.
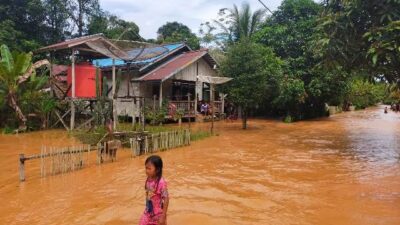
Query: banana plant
x=15 y=69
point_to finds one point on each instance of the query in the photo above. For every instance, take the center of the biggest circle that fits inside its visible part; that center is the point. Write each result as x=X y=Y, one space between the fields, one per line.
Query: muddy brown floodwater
x=340 y=170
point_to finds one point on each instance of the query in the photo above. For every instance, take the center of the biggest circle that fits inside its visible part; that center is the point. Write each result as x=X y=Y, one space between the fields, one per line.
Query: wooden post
x=134 y=113
x=212 y=107
x=21 y=167
x=143 y=116
x=139 y=103
x=72 y=122
x=195 y=93
x=161 y=94
x=60 y=118
x=154 y=104
x=189 y=113
x=115 y=114
x=51 y=73
x=222 y=103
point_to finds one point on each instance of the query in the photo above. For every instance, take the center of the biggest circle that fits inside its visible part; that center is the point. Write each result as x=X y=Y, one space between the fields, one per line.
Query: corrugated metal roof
x=71 y=42
x=148 y=55
x=173 y=66
x=92 y=45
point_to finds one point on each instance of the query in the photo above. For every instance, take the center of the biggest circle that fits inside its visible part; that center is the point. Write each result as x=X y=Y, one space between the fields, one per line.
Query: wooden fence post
x=189 y=109
x=21 y=167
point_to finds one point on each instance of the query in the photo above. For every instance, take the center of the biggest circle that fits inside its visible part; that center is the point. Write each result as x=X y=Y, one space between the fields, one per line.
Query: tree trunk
x=244 y=119
x=80 y=17
x=12 y=102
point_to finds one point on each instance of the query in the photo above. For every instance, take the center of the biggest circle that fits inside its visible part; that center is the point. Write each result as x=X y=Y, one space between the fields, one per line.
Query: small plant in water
x=288 y=119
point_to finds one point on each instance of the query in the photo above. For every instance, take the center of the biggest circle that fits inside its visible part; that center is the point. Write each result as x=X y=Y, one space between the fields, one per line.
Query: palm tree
x=240 y=23
x=15 y=69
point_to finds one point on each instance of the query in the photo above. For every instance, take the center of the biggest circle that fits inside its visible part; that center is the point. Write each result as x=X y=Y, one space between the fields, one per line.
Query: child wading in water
x=156 y=193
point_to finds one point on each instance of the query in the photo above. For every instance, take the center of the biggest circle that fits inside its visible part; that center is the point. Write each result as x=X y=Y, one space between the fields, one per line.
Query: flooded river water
x=343 y=170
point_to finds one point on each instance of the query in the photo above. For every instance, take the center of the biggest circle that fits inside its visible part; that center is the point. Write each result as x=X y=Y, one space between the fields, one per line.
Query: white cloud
x=149 y=15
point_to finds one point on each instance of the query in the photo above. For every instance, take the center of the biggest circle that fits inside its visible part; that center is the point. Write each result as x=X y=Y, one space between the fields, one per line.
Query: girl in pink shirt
x=156 y=193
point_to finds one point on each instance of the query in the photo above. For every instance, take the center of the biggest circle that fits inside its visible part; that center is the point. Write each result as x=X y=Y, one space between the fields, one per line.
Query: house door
x=206 y=92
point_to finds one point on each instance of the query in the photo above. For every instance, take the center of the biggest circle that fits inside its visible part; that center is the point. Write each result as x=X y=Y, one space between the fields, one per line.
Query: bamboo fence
x=57 y=160
x=159 y=141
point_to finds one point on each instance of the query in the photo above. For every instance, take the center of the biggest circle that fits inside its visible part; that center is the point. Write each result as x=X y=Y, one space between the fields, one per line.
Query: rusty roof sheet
x=99 y=47
x=173 y=66
x=71 y=43
x=96 y=45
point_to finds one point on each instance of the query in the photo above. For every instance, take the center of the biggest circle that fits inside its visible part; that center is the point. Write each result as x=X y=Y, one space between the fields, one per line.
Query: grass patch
x=8 y=130
x=89 y=137
x=199 y=135
x=149 y=128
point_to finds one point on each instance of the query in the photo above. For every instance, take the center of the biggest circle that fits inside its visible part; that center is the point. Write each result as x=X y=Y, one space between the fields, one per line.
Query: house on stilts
x=139 y=75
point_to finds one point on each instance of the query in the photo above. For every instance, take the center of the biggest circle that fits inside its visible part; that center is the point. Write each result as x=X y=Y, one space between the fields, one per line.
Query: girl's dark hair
x=158 y=164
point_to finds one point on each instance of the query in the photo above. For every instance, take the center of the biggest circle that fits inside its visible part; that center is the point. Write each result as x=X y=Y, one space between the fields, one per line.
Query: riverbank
x=339 y=170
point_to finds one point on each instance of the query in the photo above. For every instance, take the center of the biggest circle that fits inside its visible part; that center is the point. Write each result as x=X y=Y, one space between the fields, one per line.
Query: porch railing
x=218 y=106
x=182 y=105
x=185 y=106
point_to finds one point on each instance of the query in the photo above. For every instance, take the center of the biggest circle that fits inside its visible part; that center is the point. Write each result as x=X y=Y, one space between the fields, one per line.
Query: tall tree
x=113 y=27
x=255 y=70
x=289 y=31
x=177 y=32
x=22 y=24
x=57 y=20
x=243 y=23
x=80 y=11
x=360 y=35
x=232 y=25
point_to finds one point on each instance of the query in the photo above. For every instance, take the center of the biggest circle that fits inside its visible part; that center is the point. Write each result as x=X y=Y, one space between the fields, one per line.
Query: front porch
x=181 y=95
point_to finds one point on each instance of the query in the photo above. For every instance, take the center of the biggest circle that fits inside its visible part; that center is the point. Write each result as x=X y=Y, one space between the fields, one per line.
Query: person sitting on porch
x=171 y=109
x=204 y=108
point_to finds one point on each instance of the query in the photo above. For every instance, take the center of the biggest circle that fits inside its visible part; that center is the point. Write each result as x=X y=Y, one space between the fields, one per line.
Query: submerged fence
x=58 y=160
x=159 y=142
x=61 y=160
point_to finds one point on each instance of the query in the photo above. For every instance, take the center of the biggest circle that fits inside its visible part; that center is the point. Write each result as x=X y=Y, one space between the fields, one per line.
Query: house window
x=156 y=90
x=180 y=90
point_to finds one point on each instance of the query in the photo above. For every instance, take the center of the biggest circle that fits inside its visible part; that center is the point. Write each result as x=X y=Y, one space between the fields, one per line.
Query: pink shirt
x=157 y=193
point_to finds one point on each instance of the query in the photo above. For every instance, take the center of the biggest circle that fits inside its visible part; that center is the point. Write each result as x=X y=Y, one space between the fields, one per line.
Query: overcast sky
x=149 y=15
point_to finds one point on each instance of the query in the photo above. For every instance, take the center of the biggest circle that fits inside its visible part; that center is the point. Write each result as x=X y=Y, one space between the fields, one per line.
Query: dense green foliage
x=25 y=25
x=362 y=93
x=20 y=91
x=255 y=71
x=336 y=53
x=113 y=27
x=290 y=64
x=177 y=32
x=289 y=32
x=360 y=35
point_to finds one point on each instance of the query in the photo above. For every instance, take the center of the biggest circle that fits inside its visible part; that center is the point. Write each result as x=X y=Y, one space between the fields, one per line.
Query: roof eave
x=176 y=71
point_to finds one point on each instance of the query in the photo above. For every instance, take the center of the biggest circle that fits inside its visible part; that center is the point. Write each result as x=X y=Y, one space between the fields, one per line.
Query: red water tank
x=85 y=80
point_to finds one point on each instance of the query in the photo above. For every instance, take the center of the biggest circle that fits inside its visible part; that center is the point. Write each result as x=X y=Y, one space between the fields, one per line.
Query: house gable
x=187 y=65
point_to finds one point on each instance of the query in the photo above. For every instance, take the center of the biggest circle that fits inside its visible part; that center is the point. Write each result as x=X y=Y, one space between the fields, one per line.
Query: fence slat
x=159 y=142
